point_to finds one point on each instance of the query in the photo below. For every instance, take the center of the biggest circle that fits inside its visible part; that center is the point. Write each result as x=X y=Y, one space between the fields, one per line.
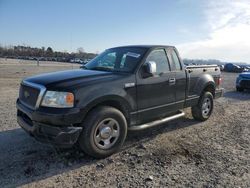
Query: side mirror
x=149 y=69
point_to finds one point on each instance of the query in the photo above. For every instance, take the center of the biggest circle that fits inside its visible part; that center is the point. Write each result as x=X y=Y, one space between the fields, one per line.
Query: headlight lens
x=58 y=99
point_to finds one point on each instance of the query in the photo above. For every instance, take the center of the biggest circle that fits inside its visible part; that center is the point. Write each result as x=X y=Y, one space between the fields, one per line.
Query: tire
x=203 y=111
x=240 y=89
x=104 y=132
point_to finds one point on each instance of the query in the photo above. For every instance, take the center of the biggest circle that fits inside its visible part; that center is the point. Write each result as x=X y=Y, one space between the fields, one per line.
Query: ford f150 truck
x=123 y=88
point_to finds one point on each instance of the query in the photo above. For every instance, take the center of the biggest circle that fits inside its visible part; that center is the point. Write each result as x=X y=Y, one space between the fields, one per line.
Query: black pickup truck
x=123 y=88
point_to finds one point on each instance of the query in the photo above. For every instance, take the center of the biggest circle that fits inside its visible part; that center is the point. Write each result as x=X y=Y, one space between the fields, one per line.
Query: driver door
x=156 y=94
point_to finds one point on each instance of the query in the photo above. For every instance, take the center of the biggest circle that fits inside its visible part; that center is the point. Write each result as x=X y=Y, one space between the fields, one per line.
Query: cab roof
x=144 y=46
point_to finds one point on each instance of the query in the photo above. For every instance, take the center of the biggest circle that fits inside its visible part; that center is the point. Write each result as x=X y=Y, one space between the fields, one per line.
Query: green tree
x=49 y=51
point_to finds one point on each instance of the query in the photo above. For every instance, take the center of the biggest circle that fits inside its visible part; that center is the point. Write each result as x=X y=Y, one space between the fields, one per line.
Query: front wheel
x=104 y=132
x=204 y=108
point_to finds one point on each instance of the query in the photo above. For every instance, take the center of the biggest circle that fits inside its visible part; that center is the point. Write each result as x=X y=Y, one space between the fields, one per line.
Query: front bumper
x=58 y=134
x=219 y=93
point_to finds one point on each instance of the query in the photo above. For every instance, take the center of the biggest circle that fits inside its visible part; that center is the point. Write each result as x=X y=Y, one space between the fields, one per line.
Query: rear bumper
x=62 y=136
x=219 y=93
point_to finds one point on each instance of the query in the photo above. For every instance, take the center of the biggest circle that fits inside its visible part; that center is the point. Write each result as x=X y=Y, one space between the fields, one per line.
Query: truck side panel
x=198 y=78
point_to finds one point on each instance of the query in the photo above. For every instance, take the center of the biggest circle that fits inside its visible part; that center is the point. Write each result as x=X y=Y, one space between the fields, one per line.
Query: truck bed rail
x=201 y=66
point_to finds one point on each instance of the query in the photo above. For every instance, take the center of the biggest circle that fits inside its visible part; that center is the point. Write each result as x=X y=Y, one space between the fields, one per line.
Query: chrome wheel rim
x=106 y=133
x=206 y=106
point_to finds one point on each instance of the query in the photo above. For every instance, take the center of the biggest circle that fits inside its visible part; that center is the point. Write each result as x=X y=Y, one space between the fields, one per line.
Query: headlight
x=58 y=99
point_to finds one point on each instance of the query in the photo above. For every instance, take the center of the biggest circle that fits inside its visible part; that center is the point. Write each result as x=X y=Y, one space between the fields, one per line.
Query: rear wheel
x=204 y=108
x=104 y=132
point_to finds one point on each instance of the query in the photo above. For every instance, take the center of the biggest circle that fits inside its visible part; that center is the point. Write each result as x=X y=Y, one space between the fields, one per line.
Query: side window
x=175 y=60
x=123 y=61
x=108 y=60
x=161 y=60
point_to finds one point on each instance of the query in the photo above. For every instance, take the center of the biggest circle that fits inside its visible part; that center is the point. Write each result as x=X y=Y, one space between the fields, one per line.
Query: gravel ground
x=215 y=153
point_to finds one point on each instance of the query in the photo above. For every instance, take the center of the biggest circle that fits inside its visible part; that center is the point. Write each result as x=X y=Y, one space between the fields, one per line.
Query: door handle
x=171 y=80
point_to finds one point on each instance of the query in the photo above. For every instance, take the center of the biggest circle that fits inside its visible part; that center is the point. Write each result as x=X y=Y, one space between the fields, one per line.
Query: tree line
x=48 y=54
x=27 y=52
x=210 y=62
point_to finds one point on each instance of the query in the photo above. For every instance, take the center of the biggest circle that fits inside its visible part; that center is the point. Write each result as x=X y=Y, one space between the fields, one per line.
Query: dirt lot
x=215 y=153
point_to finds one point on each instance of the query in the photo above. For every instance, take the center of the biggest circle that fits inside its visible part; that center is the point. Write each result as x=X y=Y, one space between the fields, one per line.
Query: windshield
x=123 y=59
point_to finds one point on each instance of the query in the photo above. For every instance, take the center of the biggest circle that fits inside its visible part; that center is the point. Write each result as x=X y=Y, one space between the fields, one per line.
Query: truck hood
x=245 y=75
x=69 y=78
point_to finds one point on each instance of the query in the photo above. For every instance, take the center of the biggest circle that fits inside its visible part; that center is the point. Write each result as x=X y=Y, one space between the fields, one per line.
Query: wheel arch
x=205 y=83
x=210 y=87
x=111 y=100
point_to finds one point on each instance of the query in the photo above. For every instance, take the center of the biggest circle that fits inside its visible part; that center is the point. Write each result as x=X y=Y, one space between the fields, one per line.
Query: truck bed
x=196 y=76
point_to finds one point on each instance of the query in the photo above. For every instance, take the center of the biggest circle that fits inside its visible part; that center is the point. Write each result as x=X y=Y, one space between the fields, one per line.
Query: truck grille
x=245 y=84
x=28 y=95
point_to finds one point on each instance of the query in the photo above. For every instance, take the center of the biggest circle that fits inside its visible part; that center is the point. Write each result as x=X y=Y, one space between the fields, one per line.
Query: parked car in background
x=221 y=67
x=76 y=60
x=230 y=67
x=86 y=61
x=246 y=69
x=243 y=81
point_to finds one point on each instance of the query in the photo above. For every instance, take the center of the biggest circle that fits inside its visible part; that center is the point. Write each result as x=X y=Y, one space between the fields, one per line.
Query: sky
x=200 y=29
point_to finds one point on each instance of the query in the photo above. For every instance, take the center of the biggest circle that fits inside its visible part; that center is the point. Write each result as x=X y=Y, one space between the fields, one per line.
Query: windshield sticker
x=131 y=54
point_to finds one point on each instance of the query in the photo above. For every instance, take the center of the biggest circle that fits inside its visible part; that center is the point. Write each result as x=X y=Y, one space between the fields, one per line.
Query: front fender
x=104 y=100
x=91 y=96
